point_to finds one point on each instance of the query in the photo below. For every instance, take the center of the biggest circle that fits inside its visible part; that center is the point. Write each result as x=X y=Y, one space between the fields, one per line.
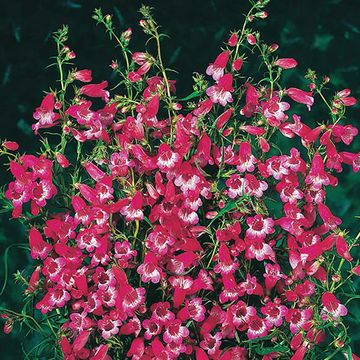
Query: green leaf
x=148 y=221
x=268 y=350
x=228 y=207
x=349 y=352
x=191 y=96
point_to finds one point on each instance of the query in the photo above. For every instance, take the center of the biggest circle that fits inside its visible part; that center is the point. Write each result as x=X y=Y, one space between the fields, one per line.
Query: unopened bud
x=114 y=64
x=273 y=47
x=339 y=343
x=251 y=39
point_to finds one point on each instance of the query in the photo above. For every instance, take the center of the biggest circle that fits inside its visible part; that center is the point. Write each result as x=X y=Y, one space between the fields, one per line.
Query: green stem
x=243 y=30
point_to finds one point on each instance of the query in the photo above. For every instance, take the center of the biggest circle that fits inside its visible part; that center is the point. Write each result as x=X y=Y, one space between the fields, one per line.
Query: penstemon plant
x=193 y=228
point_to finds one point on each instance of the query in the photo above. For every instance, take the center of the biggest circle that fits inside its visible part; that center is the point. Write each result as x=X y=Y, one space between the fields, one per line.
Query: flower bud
x=228 y=131
x=233 y=40
x=237 y=64
x=286 y=63
x=273 y=47
x=211 y=214
x=8 y=326
x=10 y=145
x=114 y=64
x=71 y=55
x=251 y=39
x=66 y=129
x=144 y=24
x=326 y=79
x=58 y=105
x=62 y=160
x=339 y=343
x=264 y=145
x=177 y=106
x=261 y=15
x=126 y=35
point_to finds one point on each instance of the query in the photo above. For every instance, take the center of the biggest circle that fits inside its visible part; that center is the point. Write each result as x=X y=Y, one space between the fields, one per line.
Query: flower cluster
x=183 y=230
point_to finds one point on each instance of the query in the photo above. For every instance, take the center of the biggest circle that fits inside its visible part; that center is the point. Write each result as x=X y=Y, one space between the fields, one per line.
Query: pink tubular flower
x=236 y=186
x=250 y=286
x=273 y=110
x=328 y=218
x=45 y=114
x=226 y=263
x=216 y=69
x=34 y=280
x=274 y=313
x=256 y=327
x=175 y=332
x=299 y=319
x=57 y=297
x=149 y=269
x=272 y=275
x=286 y=63
x=108 y=326
x=159 y=240
x=258 y=249
x=343 y=98
x=332 y=306
x=245 y=161
x=301 y=96
x=193 y=310
x=83 y=75
x=167 y=159
x=252 y=101
x=152 y=327
x=351 y=159
x=221 y=92
x=161 y=312
x=211 y=343
x=223 y=118
x=133 y=211
x=96 y=90
x=181 y=285
x=317 y=176
x=38 y=247
x=342 y=248
x=259 y=227
x=80 y=322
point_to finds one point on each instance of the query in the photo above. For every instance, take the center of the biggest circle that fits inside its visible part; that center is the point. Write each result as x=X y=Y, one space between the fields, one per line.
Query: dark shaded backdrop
x=322 y=34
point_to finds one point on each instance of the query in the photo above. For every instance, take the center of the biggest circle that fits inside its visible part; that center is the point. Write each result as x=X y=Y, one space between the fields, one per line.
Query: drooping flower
x=221 y=92
x=216 y=69
x=332 y=306
x=45 y=114
x=301 y=96
x=286 y=63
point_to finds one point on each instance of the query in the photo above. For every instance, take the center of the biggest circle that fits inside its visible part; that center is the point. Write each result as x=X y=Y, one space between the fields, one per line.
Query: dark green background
x=321 y=34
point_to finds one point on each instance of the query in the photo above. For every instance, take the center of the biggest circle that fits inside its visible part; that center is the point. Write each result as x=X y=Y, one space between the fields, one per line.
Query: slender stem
x=243 y=30
x=325 y=101
x=167 y=85
x=59 y=63
x=213 y=253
